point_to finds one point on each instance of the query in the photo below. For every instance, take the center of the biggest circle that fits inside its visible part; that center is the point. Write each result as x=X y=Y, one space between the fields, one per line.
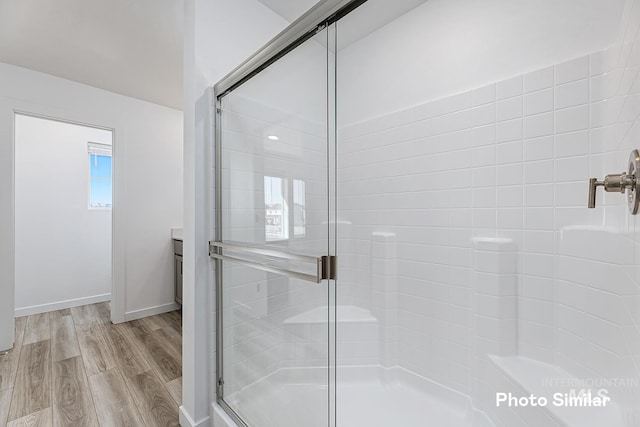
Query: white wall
x=147 y=187
x=450 y=46
x=55 y=229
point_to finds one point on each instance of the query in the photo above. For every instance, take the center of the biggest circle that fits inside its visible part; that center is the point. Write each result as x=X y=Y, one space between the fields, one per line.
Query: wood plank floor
x=73 y=367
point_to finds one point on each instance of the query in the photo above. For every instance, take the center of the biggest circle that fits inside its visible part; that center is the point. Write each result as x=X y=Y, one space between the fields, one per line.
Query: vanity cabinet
x=177 y=245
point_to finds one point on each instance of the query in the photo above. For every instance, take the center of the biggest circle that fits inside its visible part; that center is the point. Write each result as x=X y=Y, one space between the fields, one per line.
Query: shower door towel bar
x=325 y=266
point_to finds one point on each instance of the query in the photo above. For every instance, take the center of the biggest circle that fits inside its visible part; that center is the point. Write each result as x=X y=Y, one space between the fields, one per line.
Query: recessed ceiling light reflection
x=273 y=137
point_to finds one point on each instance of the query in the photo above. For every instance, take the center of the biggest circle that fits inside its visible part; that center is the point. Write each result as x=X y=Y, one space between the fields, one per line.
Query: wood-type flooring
x=73 y=367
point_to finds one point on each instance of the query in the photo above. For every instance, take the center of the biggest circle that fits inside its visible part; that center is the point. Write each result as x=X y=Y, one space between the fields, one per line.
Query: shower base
x=367 y=396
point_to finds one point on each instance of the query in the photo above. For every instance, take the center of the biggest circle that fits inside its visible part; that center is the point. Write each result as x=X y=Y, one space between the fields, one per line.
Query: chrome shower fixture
x=619 y=183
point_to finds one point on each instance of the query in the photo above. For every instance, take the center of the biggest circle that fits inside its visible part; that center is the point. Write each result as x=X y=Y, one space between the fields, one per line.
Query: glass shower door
x=274 y=202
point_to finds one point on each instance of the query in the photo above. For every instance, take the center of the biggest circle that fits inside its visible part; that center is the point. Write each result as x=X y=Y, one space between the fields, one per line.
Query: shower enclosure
x=402 y=230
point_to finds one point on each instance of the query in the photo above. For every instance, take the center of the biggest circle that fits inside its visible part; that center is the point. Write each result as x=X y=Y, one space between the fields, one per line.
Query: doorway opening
x=63 y=214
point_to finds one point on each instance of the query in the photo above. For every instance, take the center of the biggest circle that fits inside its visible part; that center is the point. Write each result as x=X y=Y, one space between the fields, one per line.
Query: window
x=278 y=215
x=99 y=176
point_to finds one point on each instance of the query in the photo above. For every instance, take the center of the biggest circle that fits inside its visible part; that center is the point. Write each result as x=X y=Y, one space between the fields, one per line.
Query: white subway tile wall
x=507 y=161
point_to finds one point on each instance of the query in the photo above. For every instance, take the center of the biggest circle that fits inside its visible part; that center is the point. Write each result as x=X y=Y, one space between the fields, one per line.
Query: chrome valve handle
x=593 y=184
x=619 y=183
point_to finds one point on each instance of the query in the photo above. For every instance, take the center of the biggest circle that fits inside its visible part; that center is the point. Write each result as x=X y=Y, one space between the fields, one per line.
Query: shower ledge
x=346 y=314
x=601 y=228
x=527 y=373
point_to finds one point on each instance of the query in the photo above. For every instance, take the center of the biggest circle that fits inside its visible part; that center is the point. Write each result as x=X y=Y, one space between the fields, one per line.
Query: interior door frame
x=29 y=113
x=7 y=226
x=9 y=108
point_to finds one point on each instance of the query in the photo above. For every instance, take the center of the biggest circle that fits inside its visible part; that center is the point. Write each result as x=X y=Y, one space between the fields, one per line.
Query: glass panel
x=274 y=184
x=475 y=287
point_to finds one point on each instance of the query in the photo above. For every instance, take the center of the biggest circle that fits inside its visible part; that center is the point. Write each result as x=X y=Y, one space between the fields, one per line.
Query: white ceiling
x=371 y=16
x=131 y=47
x=289 y=9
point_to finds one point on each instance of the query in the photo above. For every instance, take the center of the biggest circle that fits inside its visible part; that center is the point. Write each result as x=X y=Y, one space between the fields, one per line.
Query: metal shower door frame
x=318 y=18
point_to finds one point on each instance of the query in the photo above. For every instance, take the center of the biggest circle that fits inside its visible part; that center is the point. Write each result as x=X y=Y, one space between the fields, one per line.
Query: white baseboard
x=43 y=308
x=151 y=311
x=186 y=421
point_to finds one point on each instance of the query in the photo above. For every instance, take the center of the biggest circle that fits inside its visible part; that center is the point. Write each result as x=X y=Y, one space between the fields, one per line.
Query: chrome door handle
x=620 y=183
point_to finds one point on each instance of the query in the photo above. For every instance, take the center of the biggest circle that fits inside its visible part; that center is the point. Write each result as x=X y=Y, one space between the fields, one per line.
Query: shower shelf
x=346 y=314
x=527 y=374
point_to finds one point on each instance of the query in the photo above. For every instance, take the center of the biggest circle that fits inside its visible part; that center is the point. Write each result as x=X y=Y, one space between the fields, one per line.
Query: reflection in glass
x=298 y=208
x=276 y=209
